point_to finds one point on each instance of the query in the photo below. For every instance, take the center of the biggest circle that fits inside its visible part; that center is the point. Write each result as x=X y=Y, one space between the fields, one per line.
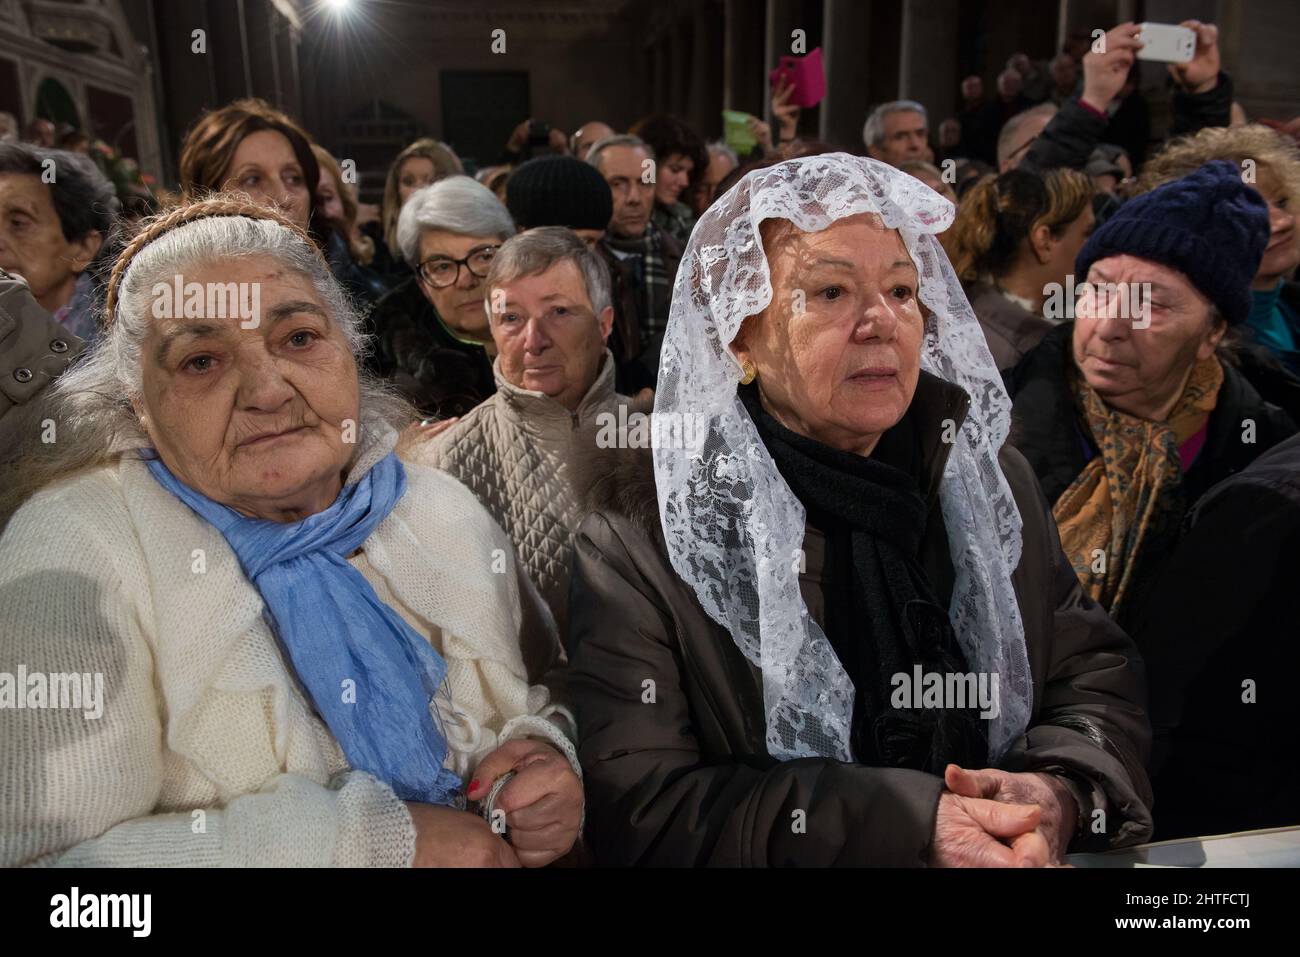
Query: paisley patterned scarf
x=1127 y=502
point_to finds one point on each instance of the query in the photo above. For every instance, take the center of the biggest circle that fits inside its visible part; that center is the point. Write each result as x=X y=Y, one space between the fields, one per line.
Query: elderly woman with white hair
x=431 y=333
x=290 y=647
x=838 y=628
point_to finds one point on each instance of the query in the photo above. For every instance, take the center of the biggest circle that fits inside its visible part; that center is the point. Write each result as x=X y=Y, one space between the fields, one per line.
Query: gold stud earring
x=749 y=372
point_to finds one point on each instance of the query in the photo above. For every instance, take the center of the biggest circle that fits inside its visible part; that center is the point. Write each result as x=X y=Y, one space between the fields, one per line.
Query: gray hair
x=619 y=139
x=873 y=131
x=93 y=403
x=83 y=198
x=1009 y=138
x=537 y=250
x=457 y=205
x=721 y=148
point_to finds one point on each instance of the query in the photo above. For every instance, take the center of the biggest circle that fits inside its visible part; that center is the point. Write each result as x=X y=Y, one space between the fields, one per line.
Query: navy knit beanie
x=559 y=191
x=1209 y=225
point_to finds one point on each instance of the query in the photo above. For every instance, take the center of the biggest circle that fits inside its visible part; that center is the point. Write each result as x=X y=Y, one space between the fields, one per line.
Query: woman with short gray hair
x=431 y=334
x=68 y=210
x=280 y=660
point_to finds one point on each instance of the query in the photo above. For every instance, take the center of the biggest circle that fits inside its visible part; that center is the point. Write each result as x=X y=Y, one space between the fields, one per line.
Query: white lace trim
x=731 y=523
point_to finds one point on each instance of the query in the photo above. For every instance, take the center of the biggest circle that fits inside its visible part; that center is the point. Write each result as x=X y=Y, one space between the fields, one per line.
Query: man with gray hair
x=642 y=258
x=522 y=452
x=898 y=131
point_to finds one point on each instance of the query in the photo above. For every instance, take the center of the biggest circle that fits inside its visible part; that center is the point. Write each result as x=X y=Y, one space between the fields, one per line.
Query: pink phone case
x=807 y=76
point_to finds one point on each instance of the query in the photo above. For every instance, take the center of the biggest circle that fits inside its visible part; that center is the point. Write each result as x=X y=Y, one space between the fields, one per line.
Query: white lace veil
x=733 y=528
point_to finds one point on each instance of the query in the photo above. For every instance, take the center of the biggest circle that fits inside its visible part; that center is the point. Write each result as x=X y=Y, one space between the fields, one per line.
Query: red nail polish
x=473 y=786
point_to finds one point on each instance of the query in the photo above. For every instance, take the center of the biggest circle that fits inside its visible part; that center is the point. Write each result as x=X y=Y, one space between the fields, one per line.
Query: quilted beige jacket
x=524 y=456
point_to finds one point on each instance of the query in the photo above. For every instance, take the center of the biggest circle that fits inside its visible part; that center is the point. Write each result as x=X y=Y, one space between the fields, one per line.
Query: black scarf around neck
x=874 y=518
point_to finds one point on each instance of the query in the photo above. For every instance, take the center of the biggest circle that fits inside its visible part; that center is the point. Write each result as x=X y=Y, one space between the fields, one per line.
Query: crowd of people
x=633 y=502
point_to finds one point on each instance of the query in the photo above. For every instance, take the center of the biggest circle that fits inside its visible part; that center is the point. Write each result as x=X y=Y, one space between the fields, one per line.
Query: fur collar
x=624 y=484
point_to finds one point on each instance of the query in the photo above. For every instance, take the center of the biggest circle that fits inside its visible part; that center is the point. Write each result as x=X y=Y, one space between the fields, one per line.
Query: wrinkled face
x=32 y=242
x=1282 y=254
x=266 y=168
x=672 y=177
x=417 y=172
x=460 y=304
x=260 y=419
x=328 y=200
x=905 y=138
x=838 y=350
x=626 y=170
x=1142 y=371
x=547 y=336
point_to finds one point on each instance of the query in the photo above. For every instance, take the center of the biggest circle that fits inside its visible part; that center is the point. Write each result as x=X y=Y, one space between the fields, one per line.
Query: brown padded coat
x=677 y=772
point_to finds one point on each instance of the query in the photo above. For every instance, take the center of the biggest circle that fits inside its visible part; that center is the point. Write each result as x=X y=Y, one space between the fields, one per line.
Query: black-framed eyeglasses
x=443 y=271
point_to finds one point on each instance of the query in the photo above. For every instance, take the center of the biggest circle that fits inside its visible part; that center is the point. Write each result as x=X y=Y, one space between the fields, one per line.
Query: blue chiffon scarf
x=370 y=675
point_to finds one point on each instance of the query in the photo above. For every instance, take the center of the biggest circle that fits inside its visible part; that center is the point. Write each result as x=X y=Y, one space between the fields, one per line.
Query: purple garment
x=78 y=316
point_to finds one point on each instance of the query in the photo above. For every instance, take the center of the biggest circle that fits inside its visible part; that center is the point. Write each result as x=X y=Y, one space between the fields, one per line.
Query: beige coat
x=523 y=456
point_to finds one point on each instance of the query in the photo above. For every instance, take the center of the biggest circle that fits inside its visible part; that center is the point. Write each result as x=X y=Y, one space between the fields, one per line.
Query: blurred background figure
x=1012 y=245
x=495 y=178
x=722 y=160
x=586 y=135
x=1065 y=79
x=929 y=174
x=680 y=163
x=40 y=132
x=349 y=250
x=422 y=163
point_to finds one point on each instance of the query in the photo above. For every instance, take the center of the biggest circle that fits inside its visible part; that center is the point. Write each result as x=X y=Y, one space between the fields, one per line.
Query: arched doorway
x=55 y=103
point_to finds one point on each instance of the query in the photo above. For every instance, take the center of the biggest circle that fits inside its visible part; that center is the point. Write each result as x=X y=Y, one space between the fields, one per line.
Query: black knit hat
x=1209 y=225
x=559 y=191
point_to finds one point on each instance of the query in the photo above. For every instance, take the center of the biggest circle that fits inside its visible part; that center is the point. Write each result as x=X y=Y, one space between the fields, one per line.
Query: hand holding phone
x=1166 y=43
x=1201 y=73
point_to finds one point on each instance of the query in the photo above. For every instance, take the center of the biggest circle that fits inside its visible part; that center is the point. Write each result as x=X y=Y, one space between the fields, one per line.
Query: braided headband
x=227 y=204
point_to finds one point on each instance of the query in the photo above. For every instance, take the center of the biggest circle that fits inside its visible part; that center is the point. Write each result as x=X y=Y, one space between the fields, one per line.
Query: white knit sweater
x=207 y=752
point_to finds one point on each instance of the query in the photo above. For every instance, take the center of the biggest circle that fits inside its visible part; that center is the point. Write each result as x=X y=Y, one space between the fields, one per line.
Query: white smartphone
x=1166 y=43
